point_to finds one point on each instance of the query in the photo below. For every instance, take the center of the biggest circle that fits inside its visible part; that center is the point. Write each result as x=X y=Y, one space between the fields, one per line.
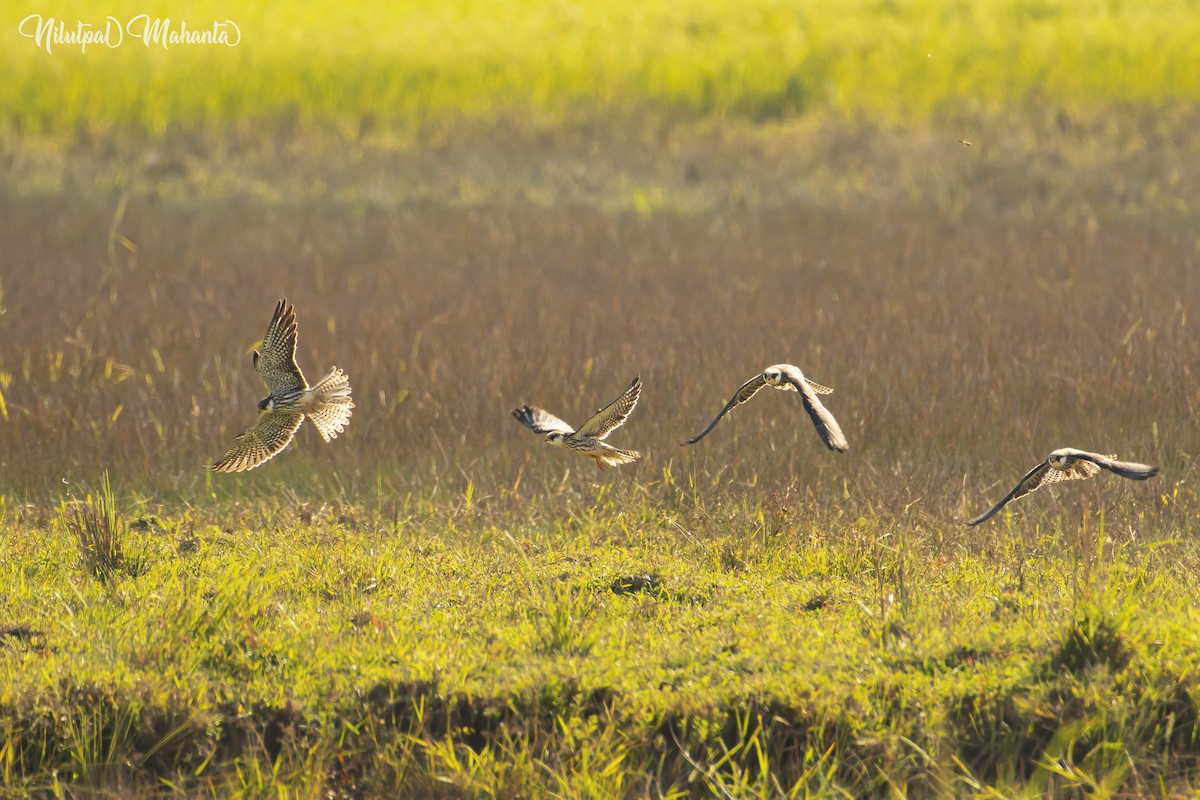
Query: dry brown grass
x=973 y=307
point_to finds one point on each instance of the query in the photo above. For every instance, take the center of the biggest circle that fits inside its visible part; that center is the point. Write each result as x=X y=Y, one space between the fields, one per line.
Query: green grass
x=414 y=64
x=631 y=647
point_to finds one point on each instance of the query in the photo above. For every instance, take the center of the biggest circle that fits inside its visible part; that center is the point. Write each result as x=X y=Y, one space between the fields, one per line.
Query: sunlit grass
x=330 y=656
x=353 y=66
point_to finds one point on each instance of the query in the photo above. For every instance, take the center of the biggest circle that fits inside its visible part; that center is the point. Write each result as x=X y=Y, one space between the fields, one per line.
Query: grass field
x=975 y=228
x=413 y=65
x=440 y=602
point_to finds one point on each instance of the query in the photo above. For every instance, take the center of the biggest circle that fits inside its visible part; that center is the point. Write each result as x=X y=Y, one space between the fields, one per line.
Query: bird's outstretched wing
x=269 y=435
x=1035 y=479
x=1126 y=469
x=744 y=393
x=276 y=360
x=827 y=427
x=541 y=421
x=609 y=418
x=1038 y=477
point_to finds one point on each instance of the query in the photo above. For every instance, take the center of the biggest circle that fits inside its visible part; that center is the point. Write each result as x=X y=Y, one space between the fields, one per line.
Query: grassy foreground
x=416 y=63
x=613 y=645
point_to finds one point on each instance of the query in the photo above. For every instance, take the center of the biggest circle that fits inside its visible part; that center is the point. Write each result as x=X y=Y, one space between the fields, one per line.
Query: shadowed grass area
x=416 y=64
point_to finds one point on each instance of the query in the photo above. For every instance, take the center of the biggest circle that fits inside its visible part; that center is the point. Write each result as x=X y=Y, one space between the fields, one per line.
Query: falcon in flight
x=588 y=440
x=1068 y=464
x=789 y=379
x=291 y=399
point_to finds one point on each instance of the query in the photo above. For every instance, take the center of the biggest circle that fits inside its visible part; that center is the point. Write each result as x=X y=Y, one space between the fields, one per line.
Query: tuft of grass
x=1094 y=638
x=563 y=624
x=100 y=533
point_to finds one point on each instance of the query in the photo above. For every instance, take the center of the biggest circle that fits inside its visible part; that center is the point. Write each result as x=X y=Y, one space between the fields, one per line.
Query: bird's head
x=267 y=405
x=774 y=375
x=555 y=439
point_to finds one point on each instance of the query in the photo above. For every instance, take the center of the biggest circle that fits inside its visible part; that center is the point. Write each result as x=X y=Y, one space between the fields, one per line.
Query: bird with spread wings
x=291 y=400
x=787 y=378
x=588 y=439
x=1068 y=464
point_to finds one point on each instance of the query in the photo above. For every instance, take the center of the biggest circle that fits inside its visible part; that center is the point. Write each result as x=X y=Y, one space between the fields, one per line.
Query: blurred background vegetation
x=548 y=61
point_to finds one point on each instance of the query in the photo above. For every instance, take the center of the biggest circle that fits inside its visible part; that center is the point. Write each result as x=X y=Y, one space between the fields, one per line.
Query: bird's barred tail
x=332 y=410
x=615 y=457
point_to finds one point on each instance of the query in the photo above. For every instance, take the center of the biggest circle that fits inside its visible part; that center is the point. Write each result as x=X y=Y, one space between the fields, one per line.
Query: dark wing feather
x=744 y=393
x=540 y=421
x=827 y=427
x=611 y=417
x=1126 y=469
x=1035 y=479
x=276 y=360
